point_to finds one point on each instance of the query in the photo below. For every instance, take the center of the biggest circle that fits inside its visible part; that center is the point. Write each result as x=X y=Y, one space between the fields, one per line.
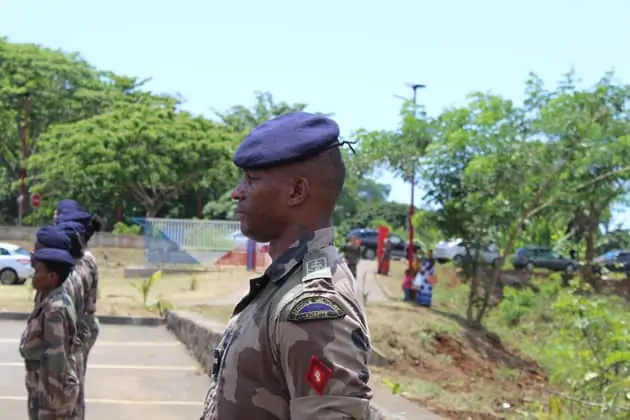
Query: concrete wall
x=201 y=335
x=100 y=240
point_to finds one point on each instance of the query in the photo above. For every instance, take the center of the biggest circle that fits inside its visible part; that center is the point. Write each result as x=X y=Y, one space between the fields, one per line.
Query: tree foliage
x=547 y=171
x=147 y=150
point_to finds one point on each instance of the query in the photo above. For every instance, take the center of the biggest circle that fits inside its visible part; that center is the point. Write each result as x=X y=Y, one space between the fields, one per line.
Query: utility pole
x=22 y=198
x=410 y=250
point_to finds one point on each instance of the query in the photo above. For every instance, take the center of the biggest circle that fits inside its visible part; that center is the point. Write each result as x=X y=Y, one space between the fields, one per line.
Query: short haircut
x=95 y=225
x=332 y=171
x=62 y=270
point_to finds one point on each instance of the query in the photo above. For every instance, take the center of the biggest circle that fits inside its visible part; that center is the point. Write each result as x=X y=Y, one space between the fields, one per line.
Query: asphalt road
x=133 y=373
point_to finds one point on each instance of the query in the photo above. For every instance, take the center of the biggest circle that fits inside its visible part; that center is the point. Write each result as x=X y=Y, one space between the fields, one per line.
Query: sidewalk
x=366 y=277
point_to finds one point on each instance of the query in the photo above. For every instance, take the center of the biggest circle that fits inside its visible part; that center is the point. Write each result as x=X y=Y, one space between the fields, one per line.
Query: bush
x=124 y=229
x=515 y=305
x=588 y=356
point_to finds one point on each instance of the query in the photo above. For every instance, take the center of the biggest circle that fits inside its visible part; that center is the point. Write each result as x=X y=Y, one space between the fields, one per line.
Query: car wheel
x=458 y=260
x=530 y=266
x=369 y=254
x=569 y=269
x=496 y=262
x=442 y=261
x=8 y=276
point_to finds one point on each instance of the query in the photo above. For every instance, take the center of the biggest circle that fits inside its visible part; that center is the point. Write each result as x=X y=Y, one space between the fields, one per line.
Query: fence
x=169 y=241
x=184 y=241
x=100 y=240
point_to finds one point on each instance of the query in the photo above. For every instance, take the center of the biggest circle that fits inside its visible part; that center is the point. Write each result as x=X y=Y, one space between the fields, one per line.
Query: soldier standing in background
x=352 y=254
x=73 y=286
x=49 y=343
x=297 y=345
x=82 y=225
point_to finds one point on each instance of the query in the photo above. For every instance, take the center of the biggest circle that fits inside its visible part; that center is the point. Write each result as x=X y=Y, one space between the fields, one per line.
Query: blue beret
x=54 y=256
x=71 y=228
x=68 y=205
x=51 y=237
x=285 y=139
x=77 y=216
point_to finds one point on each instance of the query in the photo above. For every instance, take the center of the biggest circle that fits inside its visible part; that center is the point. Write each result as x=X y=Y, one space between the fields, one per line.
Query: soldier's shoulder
x=325 y=292
x=59 y=301
x=89 y=259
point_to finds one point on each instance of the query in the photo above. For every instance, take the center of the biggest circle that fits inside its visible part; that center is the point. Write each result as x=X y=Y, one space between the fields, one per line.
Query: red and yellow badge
x=318 y=375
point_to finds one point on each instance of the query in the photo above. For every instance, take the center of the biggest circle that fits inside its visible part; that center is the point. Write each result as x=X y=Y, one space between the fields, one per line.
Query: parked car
x=369 y=243
x=533 y=256
x=454 y=250
x=15 y=264
x=616 y=260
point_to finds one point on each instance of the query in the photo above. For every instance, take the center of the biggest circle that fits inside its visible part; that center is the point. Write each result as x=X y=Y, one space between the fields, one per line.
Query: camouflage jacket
x=297 y=345
x=352 y=253
x=48 y=346
x=76 y=287
x=86 y=272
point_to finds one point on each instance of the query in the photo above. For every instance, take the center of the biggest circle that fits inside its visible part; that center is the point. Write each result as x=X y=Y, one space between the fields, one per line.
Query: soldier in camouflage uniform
x=82 y=225
x=352 y=253
x=49 y=343
x=297 y=345
x=63 y=237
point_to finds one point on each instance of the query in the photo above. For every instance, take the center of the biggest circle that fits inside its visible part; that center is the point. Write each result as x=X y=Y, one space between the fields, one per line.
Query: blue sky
x=346 y=57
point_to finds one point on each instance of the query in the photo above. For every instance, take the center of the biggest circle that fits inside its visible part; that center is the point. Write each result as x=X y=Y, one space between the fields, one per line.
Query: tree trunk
x=472 y=298
x=592 y=225
x=473 y=272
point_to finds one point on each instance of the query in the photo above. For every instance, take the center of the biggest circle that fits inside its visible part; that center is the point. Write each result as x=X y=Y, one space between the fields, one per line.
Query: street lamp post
x=410 y=250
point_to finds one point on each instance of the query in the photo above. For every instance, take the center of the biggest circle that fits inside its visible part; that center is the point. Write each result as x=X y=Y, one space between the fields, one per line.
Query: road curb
x=145 y=321
x=383 y=288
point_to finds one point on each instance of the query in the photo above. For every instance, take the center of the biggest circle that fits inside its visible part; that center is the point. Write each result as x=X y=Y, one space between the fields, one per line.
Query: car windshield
x=21 y=251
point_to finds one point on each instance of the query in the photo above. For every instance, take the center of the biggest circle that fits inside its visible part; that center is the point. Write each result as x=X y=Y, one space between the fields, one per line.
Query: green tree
x=39 y=88
x=400 y=150
x=147 y=150
x=243 y=119
x=477 y=149
x=595 y=122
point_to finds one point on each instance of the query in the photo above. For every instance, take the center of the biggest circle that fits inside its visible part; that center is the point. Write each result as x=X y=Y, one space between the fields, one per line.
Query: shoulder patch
x=316 y=266
x=315 y=308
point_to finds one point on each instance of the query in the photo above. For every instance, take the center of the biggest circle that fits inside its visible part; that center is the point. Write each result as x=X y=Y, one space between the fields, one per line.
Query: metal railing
x=189 y=242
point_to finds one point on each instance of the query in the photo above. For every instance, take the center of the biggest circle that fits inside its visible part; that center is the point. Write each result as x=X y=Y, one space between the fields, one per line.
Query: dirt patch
x=442 y=363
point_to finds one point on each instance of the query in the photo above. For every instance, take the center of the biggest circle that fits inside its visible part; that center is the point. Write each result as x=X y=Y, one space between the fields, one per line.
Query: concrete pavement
x=366 y=276
x=133 y=373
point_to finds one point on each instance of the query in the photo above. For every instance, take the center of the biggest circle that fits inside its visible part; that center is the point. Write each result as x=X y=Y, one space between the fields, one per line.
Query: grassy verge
x=120 y=296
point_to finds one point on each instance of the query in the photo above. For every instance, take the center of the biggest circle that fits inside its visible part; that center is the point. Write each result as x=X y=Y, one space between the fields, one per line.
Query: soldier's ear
x=299 y=191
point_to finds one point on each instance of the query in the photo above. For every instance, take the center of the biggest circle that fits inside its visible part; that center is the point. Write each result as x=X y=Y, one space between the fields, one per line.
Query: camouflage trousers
x=88 y=342
x=76 y=412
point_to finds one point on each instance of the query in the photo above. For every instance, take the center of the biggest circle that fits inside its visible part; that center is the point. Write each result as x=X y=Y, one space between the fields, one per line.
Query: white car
x=15 y=264
x=453 y=250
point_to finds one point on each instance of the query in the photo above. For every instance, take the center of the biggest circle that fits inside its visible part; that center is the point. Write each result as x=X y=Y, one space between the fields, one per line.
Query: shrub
x=515 y=305
x=125 y=229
